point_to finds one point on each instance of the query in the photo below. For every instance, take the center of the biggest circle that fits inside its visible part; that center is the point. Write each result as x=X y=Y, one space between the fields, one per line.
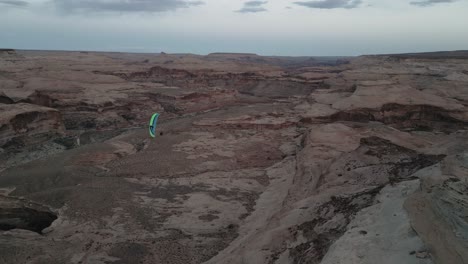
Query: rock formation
x=257 y=159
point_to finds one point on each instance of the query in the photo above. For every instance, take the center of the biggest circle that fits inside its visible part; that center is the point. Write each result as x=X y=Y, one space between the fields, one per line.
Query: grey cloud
x=251 y=10
x=431 y=2
x=14 y=3
x=331 y=4
x=255 y=3
x=253 y=7
x=123 y=5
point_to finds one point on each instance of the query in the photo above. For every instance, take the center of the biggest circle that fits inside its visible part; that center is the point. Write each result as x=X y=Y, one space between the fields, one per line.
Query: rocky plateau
x=256 y=160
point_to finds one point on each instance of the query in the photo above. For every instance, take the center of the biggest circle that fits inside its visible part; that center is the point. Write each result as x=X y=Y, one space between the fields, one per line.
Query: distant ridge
x=456 y=54
x=231 y=53
x=7 y=52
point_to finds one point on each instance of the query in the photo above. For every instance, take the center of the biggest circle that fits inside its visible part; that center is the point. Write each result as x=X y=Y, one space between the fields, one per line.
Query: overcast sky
x=273 y=27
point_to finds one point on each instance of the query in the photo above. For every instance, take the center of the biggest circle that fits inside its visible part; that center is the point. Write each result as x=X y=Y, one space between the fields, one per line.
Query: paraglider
x=152 y=124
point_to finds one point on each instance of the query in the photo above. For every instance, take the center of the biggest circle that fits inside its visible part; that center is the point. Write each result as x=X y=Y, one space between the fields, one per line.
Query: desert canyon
x=352 y=160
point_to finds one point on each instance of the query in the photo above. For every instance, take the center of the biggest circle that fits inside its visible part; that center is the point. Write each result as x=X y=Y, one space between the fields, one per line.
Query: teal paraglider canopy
x=153 y=123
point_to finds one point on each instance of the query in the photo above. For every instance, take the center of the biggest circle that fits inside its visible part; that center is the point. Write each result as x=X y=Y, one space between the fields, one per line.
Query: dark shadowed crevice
x=25 y=218
x=5 y=99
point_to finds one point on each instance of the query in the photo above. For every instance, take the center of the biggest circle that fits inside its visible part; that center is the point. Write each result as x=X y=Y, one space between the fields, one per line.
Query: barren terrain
x=257 y=159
